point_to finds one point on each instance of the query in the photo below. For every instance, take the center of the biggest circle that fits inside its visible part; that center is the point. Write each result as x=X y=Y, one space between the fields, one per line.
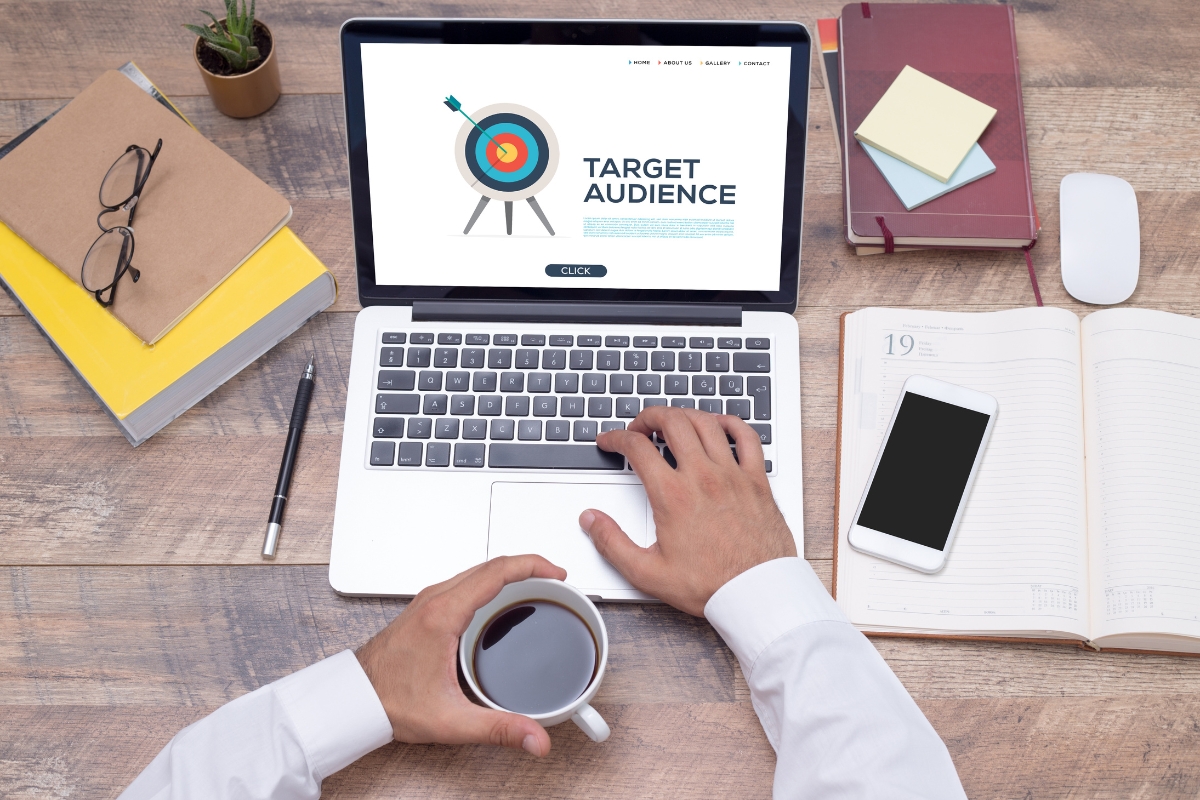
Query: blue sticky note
x=914 y=187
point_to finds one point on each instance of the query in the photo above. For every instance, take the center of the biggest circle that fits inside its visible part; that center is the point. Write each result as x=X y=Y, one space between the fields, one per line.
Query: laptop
x=558 y=224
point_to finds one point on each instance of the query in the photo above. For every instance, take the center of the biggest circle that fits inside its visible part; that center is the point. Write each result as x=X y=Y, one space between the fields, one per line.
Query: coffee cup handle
x=591 y=723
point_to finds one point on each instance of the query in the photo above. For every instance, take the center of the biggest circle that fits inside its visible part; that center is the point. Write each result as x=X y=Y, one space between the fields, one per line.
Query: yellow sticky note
x=925 y=123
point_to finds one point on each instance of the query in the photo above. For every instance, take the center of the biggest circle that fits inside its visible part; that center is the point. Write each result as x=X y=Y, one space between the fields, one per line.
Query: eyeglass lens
x=123 y=178
x=108 y=258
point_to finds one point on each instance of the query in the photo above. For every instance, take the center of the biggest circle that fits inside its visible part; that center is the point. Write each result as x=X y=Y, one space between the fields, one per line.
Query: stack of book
x=222 y=280
x=931 y=127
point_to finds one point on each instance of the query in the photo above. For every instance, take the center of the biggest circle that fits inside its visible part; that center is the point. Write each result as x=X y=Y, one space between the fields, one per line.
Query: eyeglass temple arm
x=138 y=189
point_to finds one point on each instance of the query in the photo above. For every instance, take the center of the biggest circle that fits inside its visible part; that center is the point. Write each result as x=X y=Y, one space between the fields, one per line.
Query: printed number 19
x=906 y=342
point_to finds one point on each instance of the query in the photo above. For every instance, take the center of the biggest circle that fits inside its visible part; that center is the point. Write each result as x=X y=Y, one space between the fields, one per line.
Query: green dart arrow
x=454 y=105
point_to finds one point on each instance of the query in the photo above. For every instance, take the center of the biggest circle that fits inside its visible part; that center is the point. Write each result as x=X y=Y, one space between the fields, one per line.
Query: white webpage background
x=733 y=118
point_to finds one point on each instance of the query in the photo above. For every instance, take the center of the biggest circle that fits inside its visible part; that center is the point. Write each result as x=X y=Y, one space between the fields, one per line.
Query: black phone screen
x=923 y=470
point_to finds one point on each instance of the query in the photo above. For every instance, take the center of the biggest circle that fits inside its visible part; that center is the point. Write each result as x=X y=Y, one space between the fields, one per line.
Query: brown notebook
x=200 y=215
x=1052 y=546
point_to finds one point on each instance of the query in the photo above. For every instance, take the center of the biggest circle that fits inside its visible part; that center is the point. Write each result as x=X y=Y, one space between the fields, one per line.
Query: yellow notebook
x=143 y=387
x=925 y=123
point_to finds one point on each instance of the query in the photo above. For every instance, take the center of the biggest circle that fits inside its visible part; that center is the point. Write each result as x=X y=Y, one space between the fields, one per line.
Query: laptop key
x=437 y=454
x=572 y=406
x=554 y=359
x=645 y=341
x=397 y=380
x=458 y=381
x=588 y=341
x=490 y=404
x=566 y=382
x=419 y=356
x=628 y=406
x=758 y=344
x=691 y=362
x=500 y=359
x=662 y=361
x=608 y=359
x=483 y=382
x=469 y=455
x=751 y=362
x=472 y=358
x=562 y=341
x=654 y=401
x=616 y=341
x=731 y=385
x=391 y=357
x=512 y=381
x=683 y=402
x=422 y=338
x=474 y=429
x=760 y=389
x=449 y=338
x=516 y=406
x=674 y=341
x=558 y=430
x=539 y=382
x=704 y=384
x=462 y=405
x=763 y=431
x=397 y=403
x=768 y=465
x=435 y=404
x=532 y=340
x=710 y=405
x=581 y=359
x=409 y=455
x=620 y=384
x=545 y=406
x=729 y=343
x=446 y=428
x=420 y=428
x=503 y=428
x=599 y=407
x=675 y=384
x=586 y=430
x=738 y=408
x=553 y=456
x=527 y=359
x=394 y=338
x=701 y=342
x=430 y=381
x=388 y=427
x=635 y=360
x=669 y=457
x=504 y=338
x=613 y=425
x=479 y=338
x=445 y=357
x=383 y=454
x=529 y=430
x=649 y=384
x=594 y=383
x=716 y=362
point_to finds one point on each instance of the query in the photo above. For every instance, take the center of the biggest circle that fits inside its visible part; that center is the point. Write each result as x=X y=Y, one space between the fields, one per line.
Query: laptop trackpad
x=543 y=518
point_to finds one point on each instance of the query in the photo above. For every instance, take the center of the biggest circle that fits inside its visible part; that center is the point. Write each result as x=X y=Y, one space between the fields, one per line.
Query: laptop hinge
x=601 y=313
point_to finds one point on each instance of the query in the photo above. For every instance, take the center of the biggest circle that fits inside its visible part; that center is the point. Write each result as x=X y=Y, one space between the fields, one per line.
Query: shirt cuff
x=765 y=602
x=337 y=714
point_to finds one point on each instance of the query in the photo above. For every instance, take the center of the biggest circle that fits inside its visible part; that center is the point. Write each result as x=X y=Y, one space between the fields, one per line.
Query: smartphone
x=923 y=474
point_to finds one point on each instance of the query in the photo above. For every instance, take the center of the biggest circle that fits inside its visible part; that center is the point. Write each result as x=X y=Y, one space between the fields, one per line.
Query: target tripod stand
x=508 y=214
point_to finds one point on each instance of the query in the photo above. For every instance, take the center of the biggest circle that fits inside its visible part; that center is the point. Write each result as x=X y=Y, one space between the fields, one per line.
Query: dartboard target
x=511 y=155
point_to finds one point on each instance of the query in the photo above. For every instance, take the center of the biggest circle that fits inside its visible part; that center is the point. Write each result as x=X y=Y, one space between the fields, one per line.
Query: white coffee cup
x=578 y=711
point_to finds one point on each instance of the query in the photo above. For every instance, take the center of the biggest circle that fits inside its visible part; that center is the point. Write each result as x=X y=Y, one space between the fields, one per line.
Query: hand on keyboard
x=411 y=662
x=715 y=516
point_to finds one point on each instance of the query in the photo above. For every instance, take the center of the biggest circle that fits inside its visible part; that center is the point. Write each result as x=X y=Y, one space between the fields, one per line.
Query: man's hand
x=412 y=662
x=715 y=516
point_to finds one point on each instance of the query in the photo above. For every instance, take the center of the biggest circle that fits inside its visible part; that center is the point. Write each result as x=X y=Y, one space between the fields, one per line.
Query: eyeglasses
x=111 y=255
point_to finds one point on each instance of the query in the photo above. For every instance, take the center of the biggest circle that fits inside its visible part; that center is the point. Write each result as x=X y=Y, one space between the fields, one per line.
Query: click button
x=576 y=270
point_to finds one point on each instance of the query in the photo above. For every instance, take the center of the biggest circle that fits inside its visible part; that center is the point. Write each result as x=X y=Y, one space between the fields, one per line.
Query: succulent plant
x=233 y=39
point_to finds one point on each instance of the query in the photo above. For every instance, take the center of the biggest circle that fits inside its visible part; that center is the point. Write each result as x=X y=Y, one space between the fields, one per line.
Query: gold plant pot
x=248 y=94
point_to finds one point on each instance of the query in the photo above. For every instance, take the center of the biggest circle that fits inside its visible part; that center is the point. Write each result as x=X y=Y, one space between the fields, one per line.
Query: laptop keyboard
x=535 y=401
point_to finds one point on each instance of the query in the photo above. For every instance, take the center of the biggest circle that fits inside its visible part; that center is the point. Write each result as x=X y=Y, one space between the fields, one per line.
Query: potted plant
x=236 y=57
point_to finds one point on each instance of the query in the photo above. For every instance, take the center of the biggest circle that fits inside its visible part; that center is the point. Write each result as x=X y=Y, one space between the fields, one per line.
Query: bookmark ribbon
x=866 y=9
x=889 y=241
x=1037 y=293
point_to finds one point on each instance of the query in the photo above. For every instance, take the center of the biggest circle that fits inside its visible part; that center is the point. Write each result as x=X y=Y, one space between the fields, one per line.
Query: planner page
x=1018 y=565
x=1142 y=414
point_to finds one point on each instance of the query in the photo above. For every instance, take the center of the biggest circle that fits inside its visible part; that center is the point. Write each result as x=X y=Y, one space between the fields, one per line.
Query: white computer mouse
x=1100 y=237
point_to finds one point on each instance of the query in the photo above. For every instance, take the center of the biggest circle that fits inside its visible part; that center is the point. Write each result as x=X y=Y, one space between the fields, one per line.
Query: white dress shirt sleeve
x=841 y=723
x=277 y=743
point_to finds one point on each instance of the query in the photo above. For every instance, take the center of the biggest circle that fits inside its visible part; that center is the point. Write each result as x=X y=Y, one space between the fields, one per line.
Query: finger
x=643 y=456
x=634 y=562
x=503 y=728
x=676 y=429
x=481 y=587
x=711 y=434
x=749 y=446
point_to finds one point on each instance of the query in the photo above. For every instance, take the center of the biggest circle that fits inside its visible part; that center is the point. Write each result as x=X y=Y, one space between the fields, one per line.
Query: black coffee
x=535 y=657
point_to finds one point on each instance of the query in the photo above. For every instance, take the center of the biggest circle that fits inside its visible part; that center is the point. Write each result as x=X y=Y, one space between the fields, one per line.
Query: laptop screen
x=647 y=167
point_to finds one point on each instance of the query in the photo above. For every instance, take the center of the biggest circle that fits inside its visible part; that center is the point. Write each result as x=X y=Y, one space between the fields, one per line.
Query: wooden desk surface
x=137 y=602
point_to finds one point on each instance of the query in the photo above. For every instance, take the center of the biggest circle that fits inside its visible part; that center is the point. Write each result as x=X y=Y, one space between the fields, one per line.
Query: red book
x=972 y=48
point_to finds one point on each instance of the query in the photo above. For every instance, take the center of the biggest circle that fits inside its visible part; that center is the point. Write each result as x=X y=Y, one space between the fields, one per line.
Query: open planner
x=1084 y=521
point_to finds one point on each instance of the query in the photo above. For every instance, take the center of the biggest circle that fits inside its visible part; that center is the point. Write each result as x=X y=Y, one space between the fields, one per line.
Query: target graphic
x=505 y=152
